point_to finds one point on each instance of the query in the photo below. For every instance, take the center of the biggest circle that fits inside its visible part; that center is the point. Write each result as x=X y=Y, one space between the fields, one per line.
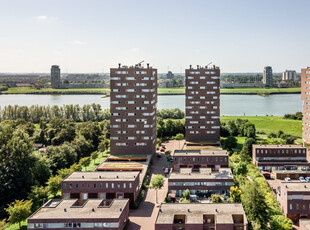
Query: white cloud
x=77 y=42
x=44 y=18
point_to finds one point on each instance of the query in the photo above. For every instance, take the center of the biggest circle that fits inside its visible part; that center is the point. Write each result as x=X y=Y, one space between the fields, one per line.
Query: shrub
x=186 y=194
x=216 y=198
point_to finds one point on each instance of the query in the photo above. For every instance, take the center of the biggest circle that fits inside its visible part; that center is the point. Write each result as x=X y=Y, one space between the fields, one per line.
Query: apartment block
x=278 y=157
x=83 y=214
x=201 y=216
x=294 y=198
x=133 y=110
x=55 y=77
x=102 y=185
x=201 y=184
x=267 y=76
x=202 y=104
x=289 y=75
x=305 y=97
x=196 y=159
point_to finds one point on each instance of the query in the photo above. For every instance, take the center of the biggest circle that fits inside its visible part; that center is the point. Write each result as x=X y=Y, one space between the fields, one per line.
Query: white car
x=302 y=179
x=287 y=179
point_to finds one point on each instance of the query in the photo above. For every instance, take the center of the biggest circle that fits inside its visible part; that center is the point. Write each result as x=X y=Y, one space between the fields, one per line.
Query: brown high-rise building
x=202 y=104
x=133 y=110
x=305 y=97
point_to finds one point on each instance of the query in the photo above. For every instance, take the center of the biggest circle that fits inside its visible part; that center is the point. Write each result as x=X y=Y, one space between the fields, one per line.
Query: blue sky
x=94 y=35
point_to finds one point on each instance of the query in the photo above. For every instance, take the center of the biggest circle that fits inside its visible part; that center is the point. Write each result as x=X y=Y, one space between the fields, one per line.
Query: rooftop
x=77 y=209
x=292 y=171
x=200 y=152
x=102 y=176
x=296 y=186
x=279 y=146
x=204 y=173
x=194 y=212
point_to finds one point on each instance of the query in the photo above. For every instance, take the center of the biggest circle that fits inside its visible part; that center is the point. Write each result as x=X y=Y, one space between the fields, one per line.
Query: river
x=231 y=105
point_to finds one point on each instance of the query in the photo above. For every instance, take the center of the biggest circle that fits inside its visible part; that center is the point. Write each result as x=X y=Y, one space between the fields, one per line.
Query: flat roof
x=197 y=152
x=205 y=173
x=194 y=212
x=296 y=186
x=291 y=171
x=279 y=146
x=65 y=209
x=102 y=176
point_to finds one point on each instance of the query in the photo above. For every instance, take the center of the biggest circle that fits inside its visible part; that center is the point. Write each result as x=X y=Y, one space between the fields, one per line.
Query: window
x=112 y=185
x=130 y=185
x=66 y=196
x=102 y=196
x=84 y=196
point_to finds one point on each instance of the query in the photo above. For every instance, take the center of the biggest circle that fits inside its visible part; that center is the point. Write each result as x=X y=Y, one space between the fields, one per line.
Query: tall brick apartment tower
x=133 y=110
x=55 y=77
x=202 y=104
x=305 y=97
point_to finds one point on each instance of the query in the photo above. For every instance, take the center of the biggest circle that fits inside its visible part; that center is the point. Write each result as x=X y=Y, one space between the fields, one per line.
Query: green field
x=165 y=91
x=29 y=90
x=269 y=124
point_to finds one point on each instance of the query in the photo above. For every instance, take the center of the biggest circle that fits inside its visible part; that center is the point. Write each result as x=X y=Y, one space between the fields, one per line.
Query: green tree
x=18 y=211
x=247 y=145
x=186 y=194
x=280 y=222
x=254 y=203
x=54 y=185
x=230 y=143
x=216 y=198
x=157 y=182
x=84 y=162
x=235 y=194
x=232 y=128
x=104 y=145
x=94 y=156
x=38 y=195
x=3 y=224
x=179 y=136
x=241 y=168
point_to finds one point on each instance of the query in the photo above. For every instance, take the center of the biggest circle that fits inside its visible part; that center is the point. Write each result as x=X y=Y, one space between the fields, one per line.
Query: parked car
x=163 y=146
x=307 y=179
x=302 y=179
x=166 y=171
x=162 y=149
x=287 y=179
x=158 y=155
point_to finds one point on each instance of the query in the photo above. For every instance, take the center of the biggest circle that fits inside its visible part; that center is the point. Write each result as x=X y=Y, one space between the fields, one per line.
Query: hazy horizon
x=92 y=36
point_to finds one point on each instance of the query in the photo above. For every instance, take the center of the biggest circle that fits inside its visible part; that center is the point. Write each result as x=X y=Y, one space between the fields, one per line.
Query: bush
x=272 y=135
x=230 y=143
x=183 y=200
x=186 y=194
x=179 y=136
x=216 y=198
x=241 y=168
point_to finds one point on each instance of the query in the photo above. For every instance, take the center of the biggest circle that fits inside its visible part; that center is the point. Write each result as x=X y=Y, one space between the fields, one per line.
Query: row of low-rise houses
x=102 y=199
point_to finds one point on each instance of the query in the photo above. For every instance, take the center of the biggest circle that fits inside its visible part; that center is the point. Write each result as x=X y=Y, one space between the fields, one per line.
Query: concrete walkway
x=145 y=216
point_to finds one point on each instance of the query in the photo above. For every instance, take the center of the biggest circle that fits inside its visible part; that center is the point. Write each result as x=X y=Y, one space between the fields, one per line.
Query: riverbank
x=161 y=91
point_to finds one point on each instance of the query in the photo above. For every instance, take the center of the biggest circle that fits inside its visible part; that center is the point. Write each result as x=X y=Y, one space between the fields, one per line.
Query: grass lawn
x=30 y=90
x=270 y=124
x=93 y=164
x=16 y=226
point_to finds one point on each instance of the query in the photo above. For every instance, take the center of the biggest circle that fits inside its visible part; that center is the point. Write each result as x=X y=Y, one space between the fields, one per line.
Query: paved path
x=145 y=216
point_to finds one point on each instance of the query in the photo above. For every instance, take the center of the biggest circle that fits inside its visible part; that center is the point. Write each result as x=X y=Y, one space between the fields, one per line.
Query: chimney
x=93 y=209
x=188 y=210
x=83 y=176
x=197 y=66
x=148 y=65
x=190 y=66
x=100 y=177
x=120 y=209
x=119 y=65
x=65 y=210
x=216 y=210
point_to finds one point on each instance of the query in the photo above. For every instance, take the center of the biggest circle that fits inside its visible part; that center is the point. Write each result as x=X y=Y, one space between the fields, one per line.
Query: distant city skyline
x=93 y=36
